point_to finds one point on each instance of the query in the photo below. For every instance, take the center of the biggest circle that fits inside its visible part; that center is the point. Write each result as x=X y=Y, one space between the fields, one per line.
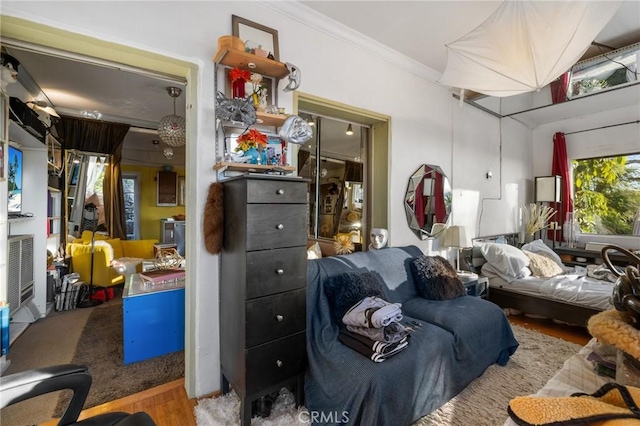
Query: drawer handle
x=279 y=363
x=280 y=271
x=279 y=317
x=280 y=191
x=279 y=226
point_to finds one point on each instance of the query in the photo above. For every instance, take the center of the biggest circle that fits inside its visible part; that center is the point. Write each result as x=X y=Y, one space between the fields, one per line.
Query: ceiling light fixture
x=311 y=121
x=168 y=153
x=95 y=115
x=172 y=127
x=156 y=144
x=349 y=130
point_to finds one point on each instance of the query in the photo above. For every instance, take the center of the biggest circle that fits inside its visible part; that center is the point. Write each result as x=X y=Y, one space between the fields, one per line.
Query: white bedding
x=573 y=287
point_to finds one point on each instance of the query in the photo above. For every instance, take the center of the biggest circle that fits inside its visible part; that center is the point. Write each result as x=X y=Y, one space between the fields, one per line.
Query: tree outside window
x=607 y=194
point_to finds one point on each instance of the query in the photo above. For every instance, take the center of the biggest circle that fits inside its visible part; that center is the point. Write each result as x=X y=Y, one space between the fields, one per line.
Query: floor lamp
x=88 y=302
x=548 y=191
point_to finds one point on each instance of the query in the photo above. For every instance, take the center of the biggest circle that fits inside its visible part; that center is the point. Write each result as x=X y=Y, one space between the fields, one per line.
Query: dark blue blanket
x=458 y=340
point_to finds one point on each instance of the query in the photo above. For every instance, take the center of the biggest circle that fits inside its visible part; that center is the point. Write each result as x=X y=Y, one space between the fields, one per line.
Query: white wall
x=593 y=143
x=422 y=131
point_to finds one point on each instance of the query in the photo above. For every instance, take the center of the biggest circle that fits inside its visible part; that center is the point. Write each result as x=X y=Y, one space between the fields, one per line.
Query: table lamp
x=456 y=237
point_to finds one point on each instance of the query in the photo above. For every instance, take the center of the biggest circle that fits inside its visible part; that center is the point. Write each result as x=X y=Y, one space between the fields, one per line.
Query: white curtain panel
x=525 y=45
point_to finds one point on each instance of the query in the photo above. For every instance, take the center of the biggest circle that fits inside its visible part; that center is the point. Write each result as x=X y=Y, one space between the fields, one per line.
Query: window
x=604 y=71
x=607 y=194
x=131 y=205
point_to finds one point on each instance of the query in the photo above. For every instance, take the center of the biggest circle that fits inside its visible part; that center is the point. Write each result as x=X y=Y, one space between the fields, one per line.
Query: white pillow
x=505 y=258
x=539 y=247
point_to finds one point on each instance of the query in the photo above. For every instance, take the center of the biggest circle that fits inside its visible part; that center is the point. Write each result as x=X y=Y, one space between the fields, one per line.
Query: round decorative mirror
x=427 y=202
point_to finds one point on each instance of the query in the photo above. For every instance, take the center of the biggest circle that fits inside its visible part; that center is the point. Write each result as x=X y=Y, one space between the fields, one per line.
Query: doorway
x=15 y=29
x=353 y=192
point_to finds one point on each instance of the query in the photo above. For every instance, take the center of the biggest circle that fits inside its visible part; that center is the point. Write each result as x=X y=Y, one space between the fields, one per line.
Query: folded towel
x=373 y=312
x=391 y=333
x=375 y=351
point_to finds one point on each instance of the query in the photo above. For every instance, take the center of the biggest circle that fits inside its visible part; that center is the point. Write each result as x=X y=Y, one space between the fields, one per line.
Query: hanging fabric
x=560 y=167
x=525 y=45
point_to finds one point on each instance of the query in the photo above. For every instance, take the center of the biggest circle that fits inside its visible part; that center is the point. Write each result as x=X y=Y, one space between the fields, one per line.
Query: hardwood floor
x=168 y=404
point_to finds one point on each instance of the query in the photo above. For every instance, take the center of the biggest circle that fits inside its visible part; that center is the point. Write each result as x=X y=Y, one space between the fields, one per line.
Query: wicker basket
x=230 y=42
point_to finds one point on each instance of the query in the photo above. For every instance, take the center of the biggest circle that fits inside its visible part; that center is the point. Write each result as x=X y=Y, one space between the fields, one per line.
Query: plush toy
x=8 y=70
x=237 y=109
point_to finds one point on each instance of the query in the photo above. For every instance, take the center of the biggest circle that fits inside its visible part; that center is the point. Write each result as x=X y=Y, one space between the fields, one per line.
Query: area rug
x=483 y=402
x=101 y=349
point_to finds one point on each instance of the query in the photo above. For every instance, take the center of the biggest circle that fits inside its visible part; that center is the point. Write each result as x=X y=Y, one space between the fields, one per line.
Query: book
x=160 y=275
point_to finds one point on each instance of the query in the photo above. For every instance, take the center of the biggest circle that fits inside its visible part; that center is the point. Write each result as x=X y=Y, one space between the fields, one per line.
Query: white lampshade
x=456 y=237
x=548 y=189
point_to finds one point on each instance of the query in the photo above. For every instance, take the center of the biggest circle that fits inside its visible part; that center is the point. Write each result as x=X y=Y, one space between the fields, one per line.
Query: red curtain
x=560 y=167
x=559 y=88
x=440 y=209
x=418 y=206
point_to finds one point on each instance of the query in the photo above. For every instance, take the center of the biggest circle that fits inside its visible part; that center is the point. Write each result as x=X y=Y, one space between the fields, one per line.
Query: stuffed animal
x=8 y=70
x=238 y=109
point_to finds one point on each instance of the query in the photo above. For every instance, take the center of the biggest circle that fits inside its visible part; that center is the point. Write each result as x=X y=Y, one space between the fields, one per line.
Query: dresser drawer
x=275 y=316
x=275 y=271
x=276 y=225
x=275 y=362
x=278 y=192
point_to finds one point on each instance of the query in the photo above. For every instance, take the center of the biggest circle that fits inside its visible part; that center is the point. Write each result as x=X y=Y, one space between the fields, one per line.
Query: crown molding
x=322 y=23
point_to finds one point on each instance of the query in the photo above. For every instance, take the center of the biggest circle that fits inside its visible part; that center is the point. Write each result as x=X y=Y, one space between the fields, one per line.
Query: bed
x=571 y=297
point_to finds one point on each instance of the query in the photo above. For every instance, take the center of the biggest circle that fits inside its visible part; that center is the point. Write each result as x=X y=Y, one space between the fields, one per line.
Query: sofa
x=455 y=343
x=106 y=251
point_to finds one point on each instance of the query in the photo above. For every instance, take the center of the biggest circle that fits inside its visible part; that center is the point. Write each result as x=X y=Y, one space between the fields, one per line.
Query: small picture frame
x=257 y=34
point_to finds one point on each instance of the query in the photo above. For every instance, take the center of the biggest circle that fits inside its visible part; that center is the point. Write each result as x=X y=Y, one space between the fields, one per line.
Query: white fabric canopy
x=525 y=45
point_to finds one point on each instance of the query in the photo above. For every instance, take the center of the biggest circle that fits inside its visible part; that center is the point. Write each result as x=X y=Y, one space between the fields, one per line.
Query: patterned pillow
x=542 y=266
x=345 y=290
x=435 y=278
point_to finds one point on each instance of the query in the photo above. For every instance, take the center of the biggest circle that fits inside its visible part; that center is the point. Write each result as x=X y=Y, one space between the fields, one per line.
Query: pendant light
x=172 y=127
x=349 y=130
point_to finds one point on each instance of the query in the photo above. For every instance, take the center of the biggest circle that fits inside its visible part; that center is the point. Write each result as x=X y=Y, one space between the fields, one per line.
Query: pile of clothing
x=373 y=329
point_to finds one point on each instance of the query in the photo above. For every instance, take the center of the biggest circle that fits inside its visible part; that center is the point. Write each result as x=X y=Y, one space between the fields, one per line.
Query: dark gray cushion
x=435 y=278
x=345 y=290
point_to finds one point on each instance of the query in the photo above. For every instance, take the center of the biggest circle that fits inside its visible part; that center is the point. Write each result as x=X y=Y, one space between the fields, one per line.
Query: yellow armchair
x=105 y=252
x=103 y=274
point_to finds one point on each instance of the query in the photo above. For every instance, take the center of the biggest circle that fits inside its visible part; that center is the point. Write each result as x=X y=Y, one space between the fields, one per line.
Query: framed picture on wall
x=256 y=36
x=167 y=189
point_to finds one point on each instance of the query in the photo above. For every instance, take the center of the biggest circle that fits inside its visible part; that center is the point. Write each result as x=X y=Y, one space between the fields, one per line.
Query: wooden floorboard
x=168 y=404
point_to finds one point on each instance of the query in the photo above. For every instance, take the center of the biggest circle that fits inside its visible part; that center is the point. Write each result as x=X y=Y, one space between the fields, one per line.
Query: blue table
x=153 y=318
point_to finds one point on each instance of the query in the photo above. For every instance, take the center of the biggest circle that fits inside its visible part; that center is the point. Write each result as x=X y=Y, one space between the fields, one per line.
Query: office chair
x=18 y=387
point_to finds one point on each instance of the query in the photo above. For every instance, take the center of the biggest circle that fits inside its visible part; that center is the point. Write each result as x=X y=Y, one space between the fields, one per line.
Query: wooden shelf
x=251 y=62
x=263 y=118
x=276 y=120
x=251 y=168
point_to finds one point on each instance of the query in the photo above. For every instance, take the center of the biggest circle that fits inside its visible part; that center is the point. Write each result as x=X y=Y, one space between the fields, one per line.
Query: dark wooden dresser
x=263 y=287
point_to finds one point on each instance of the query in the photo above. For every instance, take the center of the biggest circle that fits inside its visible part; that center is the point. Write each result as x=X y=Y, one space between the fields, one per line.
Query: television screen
x=14 y=178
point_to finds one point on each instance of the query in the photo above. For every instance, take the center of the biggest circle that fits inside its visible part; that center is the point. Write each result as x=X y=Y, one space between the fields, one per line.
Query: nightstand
x=474 y=284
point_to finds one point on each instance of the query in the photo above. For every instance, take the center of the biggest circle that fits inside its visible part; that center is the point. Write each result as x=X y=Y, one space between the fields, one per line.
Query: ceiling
x=419 y=30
